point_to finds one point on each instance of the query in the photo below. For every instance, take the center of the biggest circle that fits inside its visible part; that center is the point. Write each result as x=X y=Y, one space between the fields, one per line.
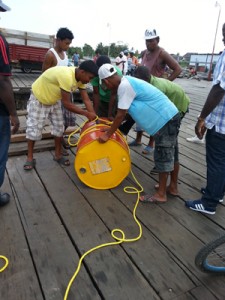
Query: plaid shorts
x=37 y=115
x=69 y=118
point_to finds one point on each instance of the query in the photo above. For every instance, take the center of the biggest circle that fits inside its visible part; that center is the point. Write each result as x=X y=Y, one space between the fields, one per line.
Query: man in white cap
x=155 y=113
x=156 y=59
x=7 y=108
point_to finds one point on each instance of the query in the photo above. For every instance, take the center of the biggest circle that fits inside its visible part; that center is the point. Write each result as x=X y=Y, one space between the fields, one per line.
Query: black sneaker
x=4 y=199
x=197 y=205
x=203 y=193
x=154 y=171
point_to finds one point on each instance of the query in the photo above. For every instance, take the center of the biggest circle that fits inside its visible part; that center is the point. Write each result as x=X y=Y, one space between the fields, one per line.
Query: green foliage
x=184 y=63
x=87 y=50
x=113 y=50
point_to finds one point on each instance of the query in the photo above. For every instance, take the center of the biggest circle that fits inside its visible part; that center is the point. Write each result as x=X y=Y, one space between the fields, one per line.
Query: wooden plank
x=53 y=251
x=200 y=292
x=116 y=276
x=16 y=149
x=19 y=280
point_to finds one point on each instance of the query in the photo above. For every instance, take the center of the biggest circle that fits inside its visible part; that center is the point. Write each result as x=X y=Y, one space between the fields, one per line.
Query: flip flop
x=148 y=150
x=29 y=165
x=149 y=199
x=134 y=144
x=62 y=161
x=65 y=144
x=64 y=152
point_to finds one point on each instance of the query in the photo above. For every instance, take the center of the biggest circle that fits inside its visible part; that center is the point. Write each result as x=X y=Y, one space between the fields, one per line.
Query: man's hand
x=103 y=138
x=200 y=128
x=91 y=116
x=15 y=123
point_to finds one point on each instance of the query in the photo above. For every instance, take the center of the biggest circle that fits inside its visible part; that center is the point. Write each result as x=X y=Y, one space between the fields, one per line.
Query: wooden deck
x=53 y=219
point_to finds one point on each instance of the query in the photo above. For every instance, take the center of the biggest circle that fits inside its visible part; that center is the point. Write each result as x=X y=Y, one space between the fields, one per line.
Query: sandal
x=29 y=165
x=148 y=150
x=149 y=199
x=62 y=161
x=134 y=143
x=65 y=144
x=64 y=152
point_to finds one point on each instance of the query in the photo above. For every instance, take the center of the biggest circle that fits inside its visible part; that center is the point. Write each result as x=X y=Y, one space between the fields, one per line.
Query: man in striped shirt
x=212 y=119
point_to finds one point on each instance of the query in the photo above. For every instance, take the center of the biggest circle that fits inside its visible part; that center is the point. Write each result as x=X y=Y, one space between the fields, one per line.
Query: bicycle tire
x=211 y=257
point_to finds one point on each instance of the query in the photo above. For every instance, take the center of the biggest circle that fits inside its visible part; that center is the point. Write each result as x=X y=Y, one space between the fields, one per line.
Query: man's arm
x=213 y=99
x=172 y=64
x=112 y=104
x=96 y=98
x=7 y=98
x=121 y=113
x=66 y=100
x=49 y=61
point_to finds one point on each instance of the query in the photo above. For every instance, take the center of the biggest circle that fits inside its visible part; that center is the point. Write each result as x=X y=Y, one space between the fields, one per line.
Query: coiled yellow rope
x=6 y=263
x=115 y=232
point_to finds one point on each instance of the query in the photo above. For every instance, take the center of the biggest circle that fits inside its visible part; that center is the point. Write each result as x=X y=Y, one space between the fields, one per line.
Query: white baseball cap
x=150 y=34
x=105 y=71
x=4 y=7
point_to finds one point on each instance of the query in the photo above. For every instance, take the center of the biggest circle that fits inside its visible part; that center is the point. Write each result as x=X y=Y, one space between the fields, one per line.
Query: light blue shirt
x=147 y=105
x=217 y=116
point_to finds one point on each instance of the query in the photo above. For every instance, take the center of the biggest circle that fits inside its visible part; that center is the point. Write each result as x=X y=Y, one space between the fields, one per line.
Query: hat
x=4 y=7
x=106 y=71
x=121 y=53
x=150 y=34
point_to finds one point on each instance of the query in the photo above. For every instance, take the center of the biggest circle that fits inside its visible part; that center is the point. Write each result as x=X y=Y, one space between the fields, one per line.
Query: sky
x=183 y=25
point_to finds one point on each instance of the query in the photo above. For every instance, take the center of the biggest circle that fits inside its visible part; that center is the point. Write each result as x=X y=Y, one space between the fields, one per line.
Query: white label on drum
x=100 y=166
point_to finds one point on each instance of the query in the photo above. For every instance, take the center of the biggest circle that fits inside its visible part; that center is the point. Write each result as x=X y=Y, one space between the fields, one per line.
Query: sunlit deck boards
x=54 y=218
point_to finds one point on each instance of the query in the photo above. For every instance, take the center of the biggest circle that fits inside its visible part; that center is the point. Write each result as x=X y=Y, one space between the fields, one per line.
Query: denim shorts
x=166 y=145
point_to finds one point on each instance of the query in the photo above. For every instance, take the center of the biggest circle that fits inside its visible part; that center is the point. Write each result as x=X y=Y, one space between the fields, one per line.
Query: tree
x=88 y=50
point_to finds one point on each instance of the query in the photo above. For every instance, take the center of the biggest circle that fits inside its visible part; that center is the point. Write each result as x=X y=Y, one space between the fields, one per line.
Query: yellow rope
x=114 y=233
x=6 y=263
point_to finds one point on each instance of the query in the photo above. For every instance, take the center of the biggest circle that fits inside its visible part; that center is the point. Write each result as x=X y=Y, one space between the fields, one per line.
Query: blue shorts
x=166 y=145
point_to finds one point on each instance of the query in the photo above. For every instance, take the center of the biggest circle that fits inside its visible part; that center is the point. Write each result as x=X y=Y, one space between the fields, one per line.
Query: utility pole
x=109 y=26
x=214 y=43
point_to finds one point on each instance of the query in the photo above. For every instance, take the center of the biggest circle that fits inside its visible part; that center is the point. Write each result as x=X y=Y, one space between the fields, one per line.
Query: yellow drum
x=101 y=166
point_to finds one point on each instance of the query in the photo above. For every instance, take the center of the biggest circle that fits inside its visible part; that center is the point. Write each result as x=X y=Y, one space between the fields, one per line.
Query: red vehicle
x=27 y=58
x=27 y=49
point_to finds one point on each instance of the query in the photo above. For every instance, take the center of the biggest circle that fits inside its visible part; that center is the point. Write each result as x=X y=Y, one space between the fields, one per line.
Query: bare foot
x=169 y=191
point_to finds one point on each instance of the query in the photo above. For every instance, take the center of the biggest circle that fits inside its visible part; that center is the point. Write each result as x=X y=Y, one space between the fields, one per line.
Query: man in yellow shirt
x=53 y=85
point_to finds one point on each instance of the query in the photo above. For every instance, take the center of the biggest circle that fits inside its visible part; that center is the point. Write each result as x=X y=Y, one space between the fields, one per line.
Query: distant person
x=57 y=57
x=146 y=104
x=7 y=109
x=212 y=121
x=54 y=84
x=125 y=58
x=104 y=100
x=156 y=59
x=76 y=59
x=120 y=61
x=97 y=54
x=132 y=63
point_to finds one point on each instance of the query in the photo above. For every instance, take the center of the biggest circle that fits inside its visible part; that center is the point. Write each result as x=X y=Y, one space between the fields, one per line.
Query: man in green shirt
x=104 y=100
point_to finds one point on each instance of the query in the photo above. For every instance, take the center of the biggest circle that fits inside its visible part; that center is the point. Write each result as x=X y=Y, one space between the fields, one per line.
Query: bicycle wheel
x=211 y=258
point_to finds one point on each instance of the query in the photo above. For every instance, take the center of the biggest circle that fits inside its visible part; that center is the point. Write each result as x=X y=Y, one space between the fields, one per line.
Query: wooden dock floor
x=53 y=219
